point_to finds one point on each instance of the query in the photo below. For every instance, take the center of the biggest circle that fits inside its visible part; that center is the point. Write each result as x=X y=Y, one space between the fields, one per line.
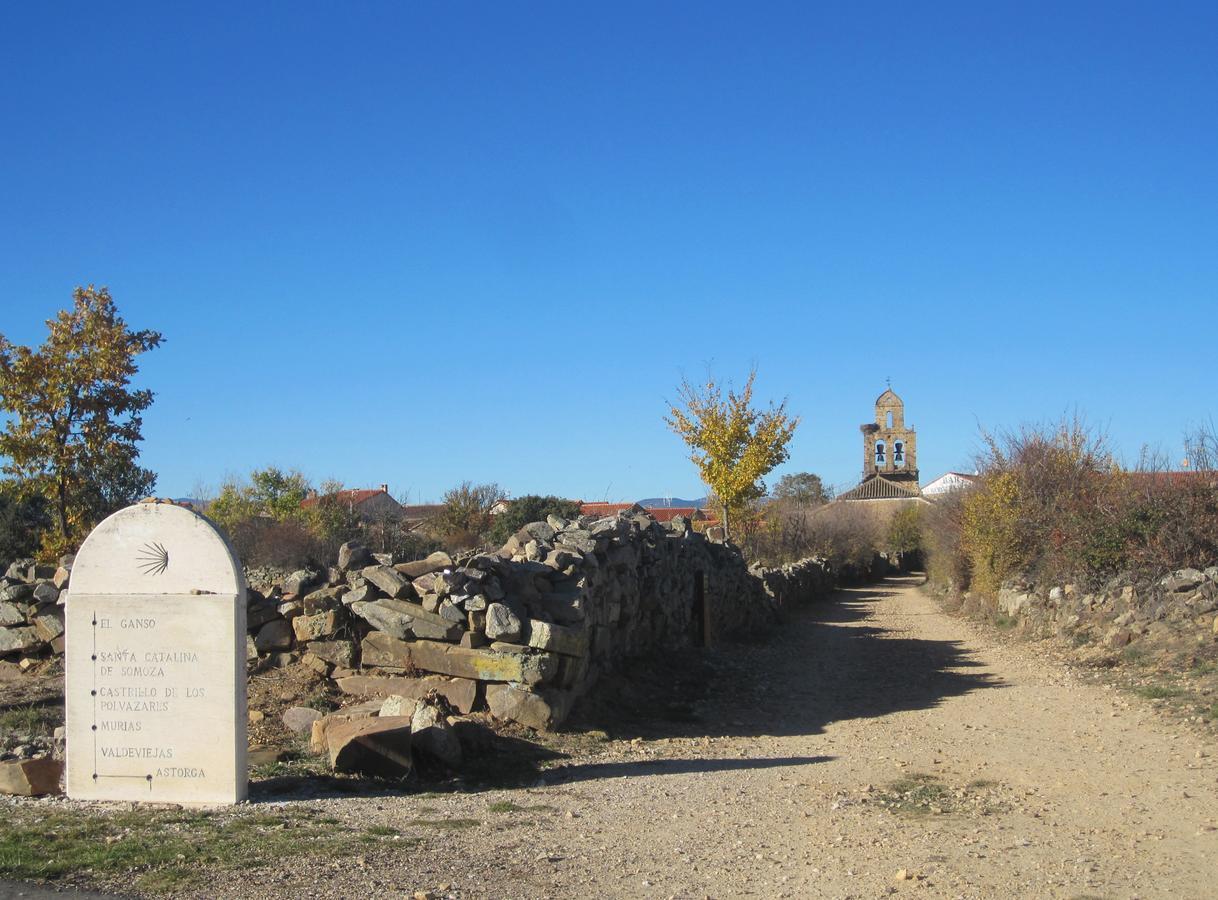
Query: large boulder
x=401 y=620
x=323 y=599
x=389 y=580
x=313 y=628
x=30 y=777
x=259 y=613
x=354 y=555
x=365 y=593
x=502 y=624
x=431 y=734
x=558 y=638
x=436 y=562
x=377 y=746
x=10 y=615
x=397 y=705
x=317 y=736
x=501 y=662
x=300 y=581
x=18 y=640
x=540 y=711
x=274 y=635
x=338 y=653
x=300 y=719
x=46 y=594
x=539 y=531
x=48 y=624
x=1183 y=580
x=462 y=693
x=16 y=593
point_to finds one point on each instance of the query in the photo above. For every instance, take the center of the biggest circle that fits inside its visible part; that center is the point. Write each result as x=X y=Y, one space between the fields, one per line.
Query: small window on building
x=898 y=454
x=890 y=418
x=879 y=453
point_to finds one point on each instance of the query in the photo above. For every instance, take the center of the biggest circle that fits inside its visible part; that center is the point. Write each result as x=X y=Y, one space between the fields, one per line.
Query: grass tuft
x=31 y=719
x=917 y=794
x=507 y=806
x=445 y=824
x=1157 y=692
x=162 y=851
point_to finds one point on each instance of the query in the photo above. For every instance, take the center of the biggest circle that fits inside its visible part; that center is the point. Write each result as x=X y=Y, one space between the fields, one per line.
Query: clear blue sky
x=424 y=242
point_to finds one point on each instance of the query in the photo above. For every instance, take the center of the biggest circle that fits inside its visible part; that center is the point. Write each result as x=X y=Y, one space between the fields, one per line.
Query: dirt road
x=873 y=738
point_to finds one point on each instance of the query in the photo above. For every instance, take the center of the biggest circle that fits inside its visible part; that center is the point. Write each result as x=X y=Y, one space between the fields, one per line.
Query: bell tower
x=890 y=448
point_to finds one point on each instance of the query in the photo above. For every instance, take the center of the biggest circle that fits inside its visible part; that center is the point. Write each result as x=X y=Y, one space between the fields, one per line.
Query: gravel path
x=875 y=746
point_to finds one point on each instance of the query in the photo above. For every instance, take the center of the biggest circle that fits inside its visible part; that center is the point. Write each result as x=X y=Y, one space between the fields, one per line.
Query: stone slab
x=558 y=638
x=378 y=746
x=541 y=711
x=460 y=692
x=30 y=777
x=436 y=562
x=401 y=620
x=525 y=666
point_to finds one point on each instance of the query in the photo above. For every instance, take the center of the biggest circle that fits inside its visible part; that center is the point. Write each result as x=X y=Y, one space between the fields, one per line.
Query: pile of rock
x=526 y=630
x=31 y=611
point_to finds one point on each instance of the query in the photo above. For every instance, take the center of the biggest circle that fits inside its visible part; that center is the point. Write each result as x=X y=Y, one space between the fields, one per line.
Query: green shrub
x=526 y=509
x=905 y=531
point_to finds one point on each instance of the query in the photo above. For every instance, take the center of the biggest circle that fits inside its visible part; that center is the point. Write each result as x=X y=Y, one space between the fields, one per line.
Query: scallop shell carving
x=153 y=559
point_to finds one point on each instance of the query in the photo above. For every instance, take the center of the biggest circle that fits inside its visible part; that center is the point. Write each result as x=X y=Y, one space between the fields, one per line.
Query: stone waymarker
x=155 y=660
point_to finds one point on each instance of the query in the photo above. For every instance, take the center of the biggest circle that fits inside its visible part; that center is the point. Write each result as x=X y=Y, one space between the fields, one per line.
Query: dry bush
x=390 y=535
x=1054 y=505
x=847 y=534
x=261 y=541
x=465 y=517
x=1168 y=520
x=946 y=562
x=461 y=541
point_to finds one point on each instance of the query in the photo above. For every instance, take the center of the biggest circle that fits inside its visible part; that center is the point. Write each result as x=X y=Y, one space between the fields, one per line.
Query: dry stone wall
x=31 y=611
x=523 y=632
x=1123 y=615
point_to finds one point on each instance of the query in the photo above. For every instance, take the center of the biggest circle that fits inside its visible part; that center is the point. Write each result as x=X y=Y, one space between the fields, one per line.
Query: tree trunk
x=726 y=530
x=62 y=507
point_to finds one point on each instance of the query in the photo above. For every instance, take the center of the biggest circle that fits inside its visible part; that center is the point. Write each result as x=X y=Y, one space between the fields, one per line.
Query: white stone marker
x=155 y=656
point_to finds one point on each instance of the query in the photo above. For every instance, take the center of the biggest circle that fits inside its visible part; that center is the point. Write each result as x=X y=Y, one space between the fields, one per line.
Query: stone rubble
x=523 y=632
x=1123 y=612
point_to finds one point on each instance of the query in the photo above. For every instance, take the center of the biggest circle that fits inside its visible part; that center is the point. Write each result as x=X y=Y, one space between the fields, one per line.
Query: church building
x=890 y=455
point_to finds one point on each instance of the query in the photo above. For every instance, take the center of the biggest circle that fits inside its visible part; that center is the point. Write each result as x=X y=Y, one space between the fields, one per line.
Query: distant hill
x=661 y=502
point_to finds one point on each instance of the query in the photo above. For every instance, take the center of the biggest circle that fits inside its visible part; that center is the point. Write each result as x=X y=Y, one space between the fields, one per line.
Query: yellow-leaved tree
x=734 y=445
x=74 y=421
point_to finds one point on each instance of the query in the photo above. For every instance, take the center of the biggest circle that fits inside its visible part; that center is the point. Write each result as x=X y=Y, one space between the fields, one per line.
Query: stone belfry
x=890 y=448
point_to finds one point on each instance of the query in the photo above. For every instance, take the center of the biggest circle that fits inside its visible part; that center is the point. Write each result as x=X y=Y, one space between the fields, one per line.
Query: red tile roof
x=600 y=510
x=668 y=513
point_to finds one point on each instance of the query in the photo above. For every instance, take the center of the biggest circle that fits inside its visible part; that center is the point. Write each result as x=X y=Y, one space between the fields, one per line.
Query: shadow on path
x=827 y=663
x=593 y=771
